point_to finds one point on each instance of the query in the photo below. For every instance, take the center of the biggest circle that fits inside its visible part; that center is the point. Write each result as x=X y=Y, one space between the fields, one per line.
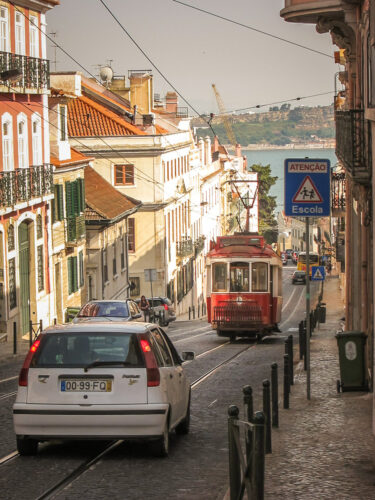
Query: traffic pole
x=308 y=326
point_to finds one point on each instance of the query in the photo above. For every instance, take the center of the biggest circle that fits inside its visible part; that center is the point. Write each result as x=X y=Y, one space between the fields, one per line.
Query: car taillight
x=166 y=307
x=22 y=380
x=153 y=374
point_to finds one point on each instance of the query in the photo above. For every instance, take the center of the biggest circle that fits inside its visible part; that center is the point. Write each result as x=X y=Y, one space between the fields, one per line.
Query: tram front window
x=219 y=277
x=259 y=277
x=239 y=277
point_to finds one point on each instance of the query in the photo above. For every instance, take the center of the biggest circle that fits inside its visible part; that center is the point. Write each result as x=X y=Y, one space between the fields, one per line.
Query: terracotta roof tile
x=104 y=199
x=76 y=158
x=87 y=118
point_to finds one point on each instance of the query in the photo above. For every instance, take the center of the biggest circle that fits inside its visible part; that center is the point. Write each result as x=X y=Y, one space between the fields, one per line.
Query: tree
x=267 y=203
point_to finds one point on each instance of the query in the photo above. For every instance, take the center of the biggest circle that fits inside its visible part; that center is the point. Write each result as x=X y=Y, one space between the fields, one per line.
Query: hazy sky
x=194 y=50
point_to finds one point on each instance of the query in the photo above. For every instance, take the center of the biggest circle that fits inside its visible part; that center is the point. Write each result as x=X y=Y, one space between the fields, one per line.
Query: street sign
x=307 y=187
x=150 y=275
x=318 y=273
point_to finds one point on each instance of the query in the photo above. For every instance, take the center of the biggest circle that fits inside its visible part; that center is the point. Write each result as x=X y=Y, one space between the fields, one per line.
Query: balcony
x=35 y=73
x=309 y=11
x=184 y=248
x=353 y=144
x=75 y=229
x=338 y=194
x=25 y=184
x=199 y=245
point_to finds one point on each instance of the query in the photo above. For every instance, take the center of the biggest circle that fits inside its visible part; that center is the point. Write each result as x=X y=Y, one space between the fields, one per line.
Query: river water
x=275 y=158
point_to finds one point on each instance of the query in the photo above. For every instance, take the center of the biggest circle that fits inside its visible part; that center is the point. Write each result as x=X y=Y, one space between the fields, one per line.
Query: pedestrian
x=145 y=306
x=329 y=268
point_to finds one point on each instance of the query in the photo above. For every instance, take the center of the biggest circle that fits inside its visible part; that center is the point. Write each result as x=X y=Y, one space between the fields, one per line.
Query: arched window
x=11 y=243
x=22 y=141
x=37 y=139
x=39 y=226
x=6 y=128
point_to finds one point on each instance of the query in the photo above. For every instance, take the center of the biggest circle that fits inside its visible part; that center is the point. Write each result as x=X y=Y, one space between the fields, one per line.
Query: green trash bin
x=352 y=361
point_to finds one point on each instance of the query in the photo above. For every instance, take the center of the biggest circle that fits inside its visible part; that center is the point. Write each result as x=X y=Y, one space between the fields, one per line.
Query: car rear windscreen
x=104 y=309
x=81 y=349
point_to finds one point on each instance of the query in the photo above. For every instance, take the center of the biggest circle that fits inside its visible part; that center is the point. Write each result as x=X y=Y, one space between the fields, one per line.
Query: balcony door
x=20 y=33
x=34 y=37
x=24 y=269
x=4 y=30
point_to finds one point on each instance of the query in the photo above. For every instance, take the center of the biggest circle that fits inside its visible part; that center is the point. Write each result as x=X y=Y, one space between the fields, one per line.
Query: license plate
x=86 y=385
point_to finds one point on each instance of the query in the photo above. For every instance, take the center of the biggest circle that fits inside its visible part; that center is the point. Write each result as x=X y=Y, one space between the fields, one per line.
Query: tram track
x=79 y=471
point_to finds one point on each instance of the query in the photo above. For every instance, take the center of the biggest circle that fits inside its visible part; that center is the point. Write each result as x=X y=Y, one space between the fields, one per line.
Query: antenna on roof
x=54 y=35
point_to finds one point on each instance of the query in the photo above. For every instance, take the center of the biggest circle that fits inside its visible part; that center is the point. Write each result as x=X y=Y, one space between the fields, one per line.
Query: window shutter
x=81 y=276
x=68 y=199
x=75 y=198
x=60 y=202
x=81 y=189
x=70 y=276
x=75 y=274
x=54 y=205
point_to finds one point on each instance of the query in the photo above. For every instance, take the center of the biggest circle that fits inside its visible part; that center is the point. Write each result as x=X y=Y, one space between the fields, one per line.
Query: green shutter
x=60 y=202
x=81 y=191
x=76 y=196
x=70 y=276
x=75 y=274
x=68 y=199
x=81 y=275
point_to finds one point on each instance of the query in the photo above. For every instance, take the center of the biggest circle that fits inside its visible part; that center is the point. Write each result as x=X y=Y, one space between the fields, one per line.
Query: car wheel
x=184 y=426
x=26 y=446
x=160 y=447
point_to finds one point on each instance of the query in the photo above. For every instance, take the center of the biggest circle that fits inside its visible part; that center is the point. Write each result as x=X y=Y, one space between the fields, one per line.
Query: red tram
x=244 y=286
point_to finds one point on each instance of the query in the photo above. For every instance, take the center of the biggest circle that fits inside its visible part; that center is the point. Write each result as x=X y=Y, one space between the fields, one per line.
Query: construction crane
x=227 y=123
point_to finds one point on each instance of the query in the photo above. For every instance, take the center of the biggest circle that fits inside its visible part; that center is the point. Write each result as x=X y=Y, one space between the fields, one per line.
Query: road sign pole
x=308 y=326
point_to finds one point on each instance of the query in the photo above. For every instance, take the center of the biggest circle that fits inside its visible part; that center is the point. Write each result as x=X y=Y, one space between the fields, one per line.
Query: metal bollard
x=300 y=340
x=286 y=381
x=234 y=463
x=199 y=306
x=267 y=414
x=14 y=337
x=40 y=326
x=193 y=312
x=291 y=367
x=55 y=321
x=189 y=313
x=249 y=416
x=275 y=395
x=257 y=472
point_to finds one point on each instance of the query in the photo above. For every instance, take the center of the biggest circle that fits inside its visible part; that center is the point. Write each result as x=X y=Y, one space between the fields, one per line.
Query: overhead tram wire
x=254 y=29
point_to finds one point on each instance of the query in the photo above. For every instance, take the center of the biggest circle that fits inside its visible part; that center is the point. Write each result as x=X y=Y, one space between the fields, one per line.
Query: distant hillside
x=278 y=126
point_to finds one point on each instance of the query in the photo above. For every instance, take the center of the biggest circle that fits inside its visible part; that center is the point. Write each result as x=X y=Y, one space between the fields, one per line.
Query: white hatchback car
x=102 y=381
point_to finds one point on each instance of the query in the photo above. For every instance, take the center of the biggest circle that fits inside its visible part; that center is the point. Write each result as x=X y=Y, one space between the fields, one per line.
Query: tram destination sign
x=307 y=187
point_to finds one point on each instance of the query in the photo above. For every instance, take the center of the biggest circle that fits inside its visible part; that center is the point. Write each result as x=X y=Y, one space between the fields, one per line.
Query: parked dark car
x=289 y=253
x=160 y=304
x=115 y=310
x=299 y=277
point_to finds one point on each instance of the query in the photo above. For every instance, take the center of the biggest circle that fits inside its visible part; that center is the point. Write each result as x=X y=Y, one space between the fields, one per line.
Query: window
x=105 y=266
x=239 y=277
x=12 y=284
x=20 y=32
x=124 y=175
x=131 y=234
x=37 y=140
x=219 y=277
x=72 y=275
x=11 y=243
x=81 y=270
x=22 y=141
x=135 y=287
x=40 y=258
x=7 y=142
x=114 y=261
x=34 y=36
x=63 y=122
x=164 y=349
x=259 y=277
x=4 y=30
x=39 y=226
x=75 y=197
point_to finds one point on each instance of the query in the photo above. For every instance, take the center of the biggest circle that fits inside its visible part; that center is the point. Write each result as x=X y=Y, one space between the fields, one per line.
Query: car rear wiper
x=104 y=363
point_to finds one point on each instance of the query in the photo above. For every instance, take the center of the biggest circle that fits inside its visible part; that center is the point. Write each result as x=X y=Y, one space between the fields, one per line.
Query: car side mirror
x=187 y=356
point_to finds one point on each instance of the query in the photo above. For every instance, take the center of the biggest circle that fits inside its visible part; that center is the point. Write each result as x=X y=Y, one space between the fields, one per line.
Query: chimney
x=141 y=90
x=216 y=144
x=171 y=102
x=207 y=150
x=238 y=150
x=201 y=150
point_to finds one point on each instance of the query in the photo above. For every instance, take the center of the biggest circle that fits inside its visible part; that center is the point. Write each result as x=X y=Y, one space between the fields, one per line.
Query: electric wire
x=253 y=29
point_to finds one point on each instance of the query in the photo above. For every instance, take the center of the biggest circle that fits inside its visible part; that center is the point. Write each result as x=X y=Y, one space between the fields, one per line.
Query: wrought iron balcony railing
x=184 y=248
x=25 y=184
x=75 y=228
x=353 y=144
x=35 y=71
x=338 y=194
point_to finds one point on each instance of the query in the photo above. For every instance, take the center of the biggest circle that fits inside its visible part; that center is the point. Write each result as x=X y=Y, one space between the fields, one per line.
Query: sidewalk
x=323 y=448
